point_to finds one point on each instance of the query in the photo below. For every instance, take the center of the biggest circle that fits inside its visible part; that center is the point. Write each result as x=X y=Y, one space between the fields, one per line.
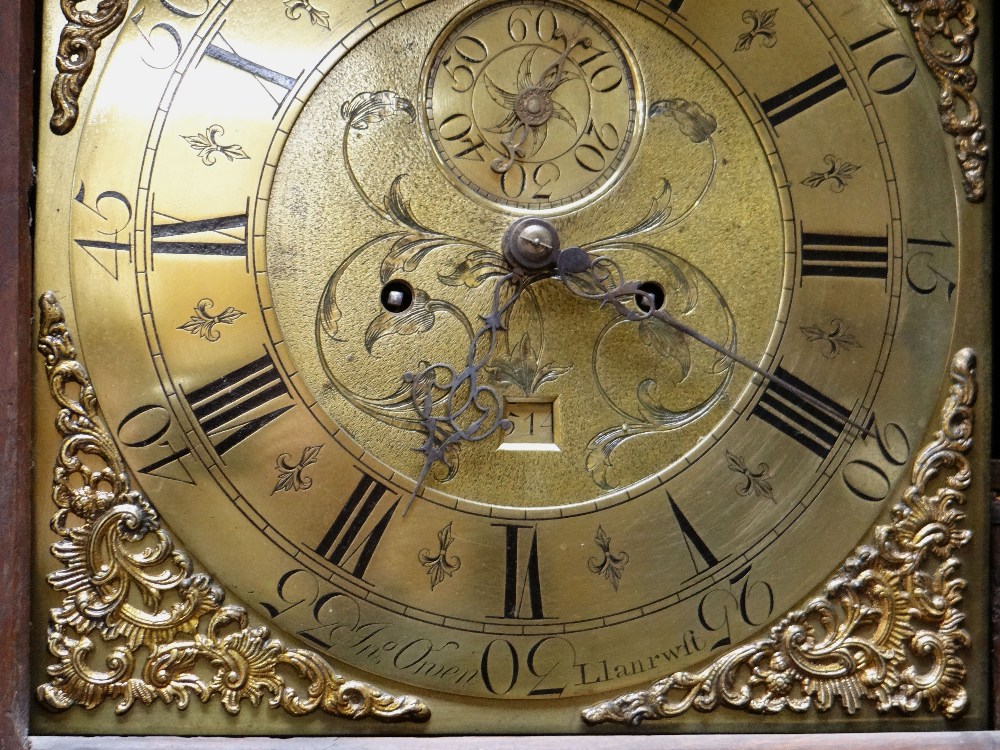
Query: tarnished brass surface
x=890 y=629
x=946 y=36
x=633 y=398
x=513 y=490
x=120 y=570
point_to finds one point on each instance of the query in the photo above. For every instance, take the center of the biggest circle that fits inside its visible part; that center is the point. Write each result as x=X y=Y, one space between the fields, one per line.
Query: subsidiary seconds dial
x=531 y=106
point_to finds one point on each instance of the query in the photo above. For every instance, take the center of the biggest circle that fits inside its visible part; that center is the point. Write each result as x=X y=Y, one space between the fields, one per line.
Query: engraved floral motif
x=694 y=121
x=203 y=323
x=167 y=632
x=523 y=368
x=291 y=476
x=668 y=342
x=838 y=174
x=889 y=629
x=762 y=27
x=835 y=338
x=439 y=565
x=418 y=318
x=754 y=483
x=208 y=147
x=945 y=32
x=295 y=8
x=478 y=267
x=368 y=108
x=688 y=291
x=610 y=564
x=513 y=357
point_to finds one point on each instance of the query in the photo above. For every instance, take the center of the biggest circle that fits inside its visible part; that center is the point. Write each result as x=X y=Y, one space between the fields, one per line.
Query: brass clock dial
x=518 y=353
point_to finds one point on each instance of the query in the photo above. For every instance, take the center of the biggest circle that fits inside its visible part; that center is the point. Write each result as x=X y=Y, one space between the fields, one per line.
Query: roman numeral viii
x=356 y=532
x=811 y=427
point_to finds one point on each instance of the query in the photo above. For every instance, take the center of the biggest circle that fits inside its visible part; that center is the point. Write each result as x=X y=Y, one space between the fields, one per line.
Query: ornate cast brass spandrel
x=115 y=554
x=889 y=629
x=945 y=32
x=79 y=42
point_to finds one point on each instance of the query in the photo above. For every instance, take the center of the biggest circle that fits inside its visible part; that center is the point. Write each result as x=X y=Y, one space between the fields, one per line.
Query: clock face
x=516 y=350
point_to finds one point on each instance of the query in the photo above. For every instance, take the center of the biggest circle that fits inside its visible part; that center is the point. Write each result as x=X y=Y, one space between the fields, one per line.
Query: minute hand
x=629 y=290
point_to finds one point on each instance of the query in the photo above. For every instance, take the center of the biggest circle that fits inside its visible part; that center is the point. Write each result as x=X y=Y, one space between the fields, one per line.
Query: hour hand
x=452 y=403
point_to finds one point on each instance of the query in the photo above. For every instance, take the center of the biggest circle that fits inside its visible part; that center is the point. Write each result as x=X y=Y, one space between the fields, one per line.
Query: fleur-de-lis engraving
x=203 y=322
x=208 y=147
x=854 y=644
x=754 y=482
x=295 y=8
x=835 y=340
x=837 y=174
x=610 y=564
x=762 y=27
x=439 y=565
x=291 y=477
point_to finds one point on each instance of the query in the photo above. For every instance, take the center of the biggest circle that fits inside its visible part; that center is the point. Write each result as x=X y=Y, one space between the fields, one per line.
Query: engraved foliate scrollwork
x=688 y=293
x=889 y=630
x=167 y=633
x=945 y=32
x=523 y=368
